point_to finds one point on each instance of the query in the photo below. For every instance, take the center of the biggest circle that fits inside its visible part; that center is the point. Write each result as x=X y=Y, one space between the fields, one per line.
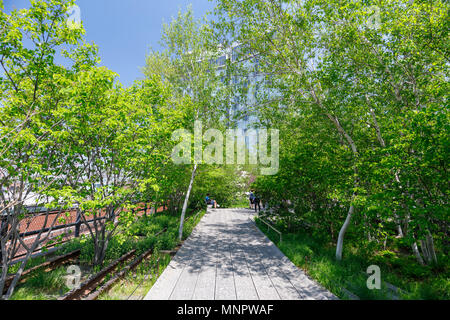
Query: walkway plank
x=225 y=283
x=245 y=288
x=226 y=258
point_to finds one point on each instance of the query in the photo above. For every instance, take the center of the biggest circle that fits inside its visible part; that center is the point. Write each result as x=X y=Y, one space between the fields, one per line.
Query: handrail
x=272 y=227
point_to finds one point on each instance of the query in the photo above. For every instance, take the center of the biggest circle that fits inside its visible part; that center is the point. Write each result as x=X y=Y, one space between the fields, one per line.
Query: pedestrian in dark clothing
x=251 y=198
x=257 y=202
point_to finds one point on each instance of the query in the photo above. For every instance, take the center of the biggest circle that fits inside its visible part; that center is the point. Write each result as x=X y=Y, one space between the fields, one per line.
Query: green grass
x=138 y=282
x=317 y=257
x=31 y=263
x=41 y=285
x=240 y=203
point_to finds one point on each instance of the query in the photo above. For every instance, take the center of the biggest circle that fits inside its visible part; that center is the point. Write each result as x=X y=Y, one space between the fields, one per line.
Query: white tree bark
x=425 y=252
x=430 y=244
x=186 y=200
x=351 y=210
x=417 y=253
x=427 y=247
x=340 y=242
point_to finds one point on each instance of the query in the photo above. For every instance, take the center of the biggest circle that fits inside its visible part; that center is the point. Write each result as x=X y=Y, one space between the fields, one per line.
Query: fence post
x=78 y=223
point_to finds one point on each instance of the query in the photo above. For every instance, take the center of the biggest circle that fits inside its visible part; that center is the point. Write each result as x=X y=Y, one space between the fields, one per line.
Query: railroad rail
x=92 y=282
x=131 y=266
x=48 y=265
x=93 y=287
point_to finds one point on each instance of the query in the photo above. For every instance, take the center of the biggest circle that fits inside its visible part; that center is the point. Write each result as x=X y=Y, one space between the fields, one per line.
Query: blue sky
x=124 y=30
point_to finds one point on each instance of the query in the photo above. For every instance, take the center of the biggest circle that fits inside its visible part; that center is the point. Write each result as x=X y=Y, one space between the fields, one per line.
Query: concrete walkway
x=228 y=258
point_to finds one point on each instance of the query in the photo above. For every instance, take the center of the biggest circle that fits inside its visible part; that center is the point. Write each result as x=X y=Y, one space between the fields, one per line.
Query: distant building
x=254 y=81
x=233 y=55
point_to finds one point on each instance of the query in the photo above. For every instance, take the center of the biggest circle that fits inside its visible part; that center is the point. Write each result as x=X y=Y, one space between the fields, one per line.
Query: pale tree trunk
x=430 y=244
x=427 y=245
x=340 y=242
x=383 y=145
x=428 y=250
x=415 y=249
x=351 y=143
x=351 y=210
x=186 y=200
x=425 y=251
x=414 y=246
x=399 y=228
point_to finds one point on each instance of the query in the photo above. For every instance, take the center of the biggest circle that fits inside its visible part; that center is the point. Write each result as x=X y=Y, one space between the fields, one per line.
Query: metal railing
x=271 y=227
x=70 y=226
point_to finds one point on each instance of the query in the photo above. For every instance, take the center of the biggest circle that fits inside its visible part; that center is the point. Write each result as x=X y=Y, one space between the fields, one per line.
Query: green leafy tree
x=32 y=102
x=372 y=80
x=186 y=64
x=115 y=139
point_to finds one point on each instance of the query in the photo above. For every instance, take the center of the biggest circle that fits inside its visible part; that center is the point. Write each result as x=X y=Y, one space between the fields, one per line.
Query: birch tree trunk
x=340 y=242
x=351 y=210
x=430 y=244
x=186 y=200
x=383 y=145
x=425 y=252
x=427 y=247
x=415 y=249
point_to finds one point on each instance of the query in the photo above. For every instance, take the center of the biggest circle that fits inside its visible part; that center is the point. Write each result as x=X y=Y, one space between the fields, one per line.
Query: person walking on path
x=257 y=202
x=251 y=198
